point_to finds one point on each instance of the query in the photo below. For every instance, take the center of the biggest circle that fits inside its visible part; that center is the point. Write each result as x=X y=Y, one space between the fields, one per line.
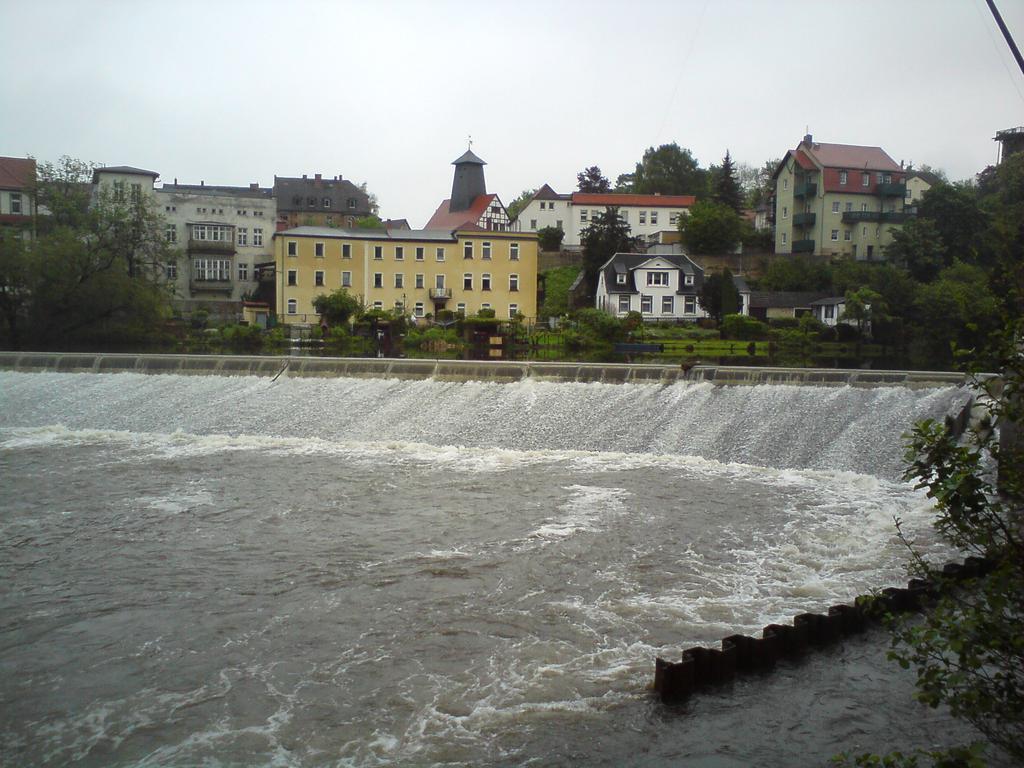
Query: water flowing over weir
x=360 y=571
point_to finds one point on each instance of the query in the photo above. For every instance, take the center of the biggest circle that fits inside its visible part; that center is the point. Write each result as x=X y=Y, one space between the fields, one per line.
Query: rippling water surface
x=234 y=571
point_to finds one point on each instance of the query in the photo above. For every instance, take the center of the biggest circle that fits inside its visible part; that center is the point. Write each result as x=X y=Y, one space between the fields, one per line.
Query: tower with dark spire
x=468 y=183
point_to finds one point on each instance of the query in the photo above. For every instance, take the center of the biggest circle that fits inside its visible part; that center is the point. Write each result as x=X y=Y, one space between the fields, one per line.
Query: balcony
x=852 y=217
x=211 y=286
x=808 y=189
x=211 y=246
x=803 y=246
x=803 y=219
x=894 y=217
x=440 y=294
x=892 y=190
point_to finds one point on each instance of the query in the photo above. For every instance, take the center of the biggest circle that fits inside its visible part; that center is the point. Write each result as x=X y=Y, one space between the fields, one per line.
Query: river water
x=237 y=571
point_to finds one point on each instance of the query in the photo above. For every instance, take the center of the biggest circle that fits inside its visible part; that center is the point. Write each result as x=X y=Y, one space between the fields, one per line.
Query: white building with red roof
x=17 y=195
x=838 y=200
x=646 y=215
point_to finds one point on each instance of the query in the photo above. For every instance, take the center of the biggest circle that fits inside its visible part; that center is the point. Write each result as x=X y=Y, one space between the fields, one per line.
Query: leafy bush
x=550 y=238
x=337 y=307
x=784 y=322
x=743 y=327
x=599 y=324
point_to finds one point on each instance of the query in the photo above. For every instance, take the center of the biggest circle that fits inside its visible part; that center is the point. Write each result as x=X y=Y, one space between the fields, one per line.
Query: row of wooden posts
x=702 y=667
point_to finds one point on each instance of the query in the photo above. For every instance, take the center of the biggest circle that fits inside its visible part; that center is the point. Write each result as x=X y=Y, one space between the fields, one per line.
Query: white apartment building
x=572 y=213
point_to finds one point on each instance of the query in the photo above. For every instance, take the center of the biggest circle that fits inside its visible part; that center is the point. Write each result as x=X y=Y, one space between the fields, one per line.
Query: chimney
x=317 y=180
x=303 y=177
x=901 y=165
x=175 y=181
x=202 y=183
x=808 y=139
x=255 y=186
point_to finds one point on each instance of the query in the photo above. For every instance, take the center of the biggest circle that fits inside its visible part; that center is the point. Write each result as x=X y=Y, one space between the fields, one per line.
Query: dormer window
x=687 y=279
x=327 y=202
x=657 y=278
x=620 y=279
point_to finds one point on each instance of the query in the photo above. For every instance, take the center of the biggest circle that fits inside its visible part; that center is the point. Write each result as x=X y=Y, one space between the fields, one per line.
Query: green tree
x=968 y=652
x=592 y=180
x=337 y=307
x=956 y=312
x=369 y=222
x=918 y=248
x=864 y=306
x=758 y=184
x=550 y=238
x=668 y=170
x=519 y=203
x=960 y=222
x=606 y=235
x=371 y=200
x=725 y=187
x=557 y=282
x=624 y=183
x=711 y=228
x=796 y=273
x=718 y=296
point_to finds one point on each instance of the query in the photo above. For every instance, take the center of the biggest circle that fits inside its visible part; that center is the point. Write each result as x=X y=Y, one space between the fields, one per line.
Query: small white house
x=829 y=310
x=660 y=286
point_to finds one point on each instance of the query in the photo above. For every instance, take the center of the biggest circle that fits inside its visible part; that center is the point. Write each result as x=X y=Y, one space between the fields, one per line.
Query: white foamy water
x=356 y=572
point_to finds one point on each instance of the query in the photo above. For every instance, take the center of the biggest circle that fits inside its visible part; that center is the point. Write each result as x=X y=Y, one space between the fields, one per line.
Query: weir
x=466 y=370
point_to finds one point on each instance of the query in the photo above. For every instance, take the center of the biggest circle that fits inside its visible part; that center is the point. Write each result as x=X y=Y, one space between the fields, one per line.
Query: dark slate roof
x=294 y=194
x=397 y=224
x=468 y=157
x=927 y=176
x=437 y=235
x=785 y=299
x=217 y=189
x=122 y=169
x=829 y=300
x=629 y=262
x=547 y=193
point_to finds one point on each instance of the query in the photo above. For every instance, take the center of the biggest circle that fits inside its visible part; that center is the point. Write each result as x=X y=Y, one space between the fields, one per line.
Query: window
x=646 y=304
x=418 y=309
x=863 y=206
x=485 y=305
x=865 y=179
x=842 y=177
x=673 y=218
x=863 y=231
x=784 y=238
x=16 y=203
x=419 y=253
x=688 y=280
x=440 y=254
x=461 y=308
x=243 y=273
x=643 y=217
x=583 y=216
x=467 y=281
x=485 y=282
x=533 y=223
x=399 y=280
x=623 y=303
x=785 y=212
x=668 y=305
x=689 y=305
x=485 y=250
x=439 y=282
x=886 y=178
x=119 y=191
x=293 y=277
x=351 y=203
x=171 y=270
x=620 y=279
x=543 y=205
x=513 y=282
x=785 y=183
x=378 y=279
x=378 y=304
x=467 y=249
x=170 y=233
x=830 y=311
x=558 y=224
x=318 y=250
x=242 y=236
x=513 y=310
x=293 y=248
x=654 y=217
x=327 y=202
x=257 y=236
x=835 y=235
x=849 y=206
x=136 y=193
x=847 y=234
x=378 y=252
x=346 y=279
x=399 y=253
x=657 y=278
x=318 y=277
x=419 y=280
x=513 y=252
x=293 y=307
x=835 y=206
x=346 y=250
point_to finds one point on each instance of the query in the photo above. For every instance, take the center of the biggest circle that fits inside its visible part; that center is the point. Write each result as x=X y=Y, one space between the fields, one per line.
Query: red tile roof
x=653 y=201
x=17 y=172
x=804 y=161
x=851 y=156
x=445 y=219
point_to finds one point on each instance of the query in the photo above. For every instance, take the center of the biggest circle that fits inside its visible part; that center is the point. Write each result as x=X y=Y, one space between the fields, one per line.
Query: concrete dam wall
x=464 y=370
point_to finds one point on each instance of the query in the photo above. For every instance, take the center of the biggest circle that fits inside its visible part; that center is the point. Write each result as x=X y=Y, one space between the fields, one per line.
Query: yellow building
x=422 y=271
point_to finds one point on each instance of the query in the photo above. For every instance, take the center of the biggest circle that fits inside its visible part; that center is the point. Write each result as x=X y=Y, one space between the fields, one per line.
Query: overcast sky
x=387 y=92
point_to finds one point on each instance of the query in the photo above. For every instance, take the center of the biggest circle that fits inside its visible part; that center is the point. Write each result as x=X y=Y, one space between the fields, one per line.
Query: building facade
x=420 y=272
x=223 y=235
x=837 y=200
x=17 y=196
x=646 y=215
x=662 y=287
x=319 y=202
